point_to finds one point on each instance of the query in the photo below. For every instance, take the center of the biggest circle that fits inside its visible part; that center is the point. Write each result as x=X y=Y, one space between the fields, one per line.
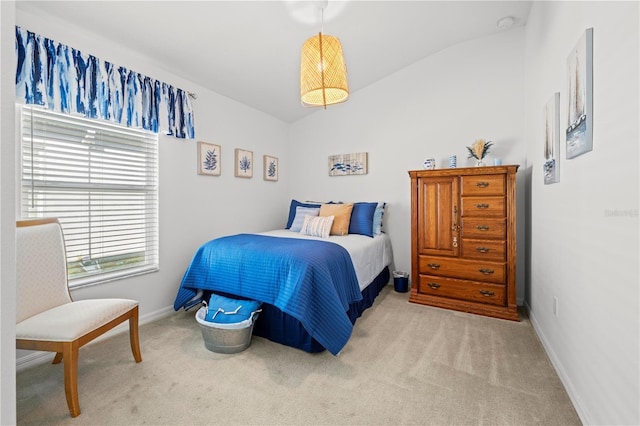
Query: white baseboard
x=581 y=410
x=34 y=358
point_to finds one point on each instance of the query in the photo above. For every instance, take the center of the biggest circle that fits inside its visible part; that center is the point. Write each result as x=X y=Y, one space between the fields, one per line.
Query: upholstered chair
x=47 y=318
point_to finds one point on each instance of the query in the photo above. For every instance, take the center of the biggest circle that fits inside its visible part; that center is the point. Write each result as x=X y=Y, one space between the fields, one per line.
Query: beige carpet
x=405 y=364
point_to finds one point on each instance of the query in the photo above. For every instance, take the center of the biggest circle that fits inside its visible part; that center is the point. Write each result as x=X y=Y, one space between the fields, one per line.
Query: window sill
x=83 y=282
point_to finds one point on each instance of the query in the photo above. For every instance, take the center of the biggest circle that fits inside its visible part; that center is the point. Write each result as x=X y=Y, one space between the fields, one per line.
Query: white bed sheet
x=369 y=255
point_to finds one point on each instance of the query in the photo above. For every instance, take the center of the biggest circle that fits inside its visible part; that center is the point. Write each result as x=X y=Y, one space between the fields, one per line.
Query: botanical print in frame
x=244 y=163
x=348 y=164
x=209 y=156
x=552 y=139
x=271 y=168
x=580 y=97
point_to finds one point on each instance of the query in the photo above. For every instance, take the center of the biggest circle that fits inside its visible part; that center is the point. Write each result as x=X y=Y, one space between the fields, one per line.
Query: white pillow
x=301 y=212
x=317 y=226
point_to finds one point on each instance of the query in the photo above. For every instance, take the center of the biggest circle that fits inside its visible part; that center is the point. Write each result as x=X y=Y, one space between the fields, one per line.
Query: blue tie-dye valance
x=63 y=79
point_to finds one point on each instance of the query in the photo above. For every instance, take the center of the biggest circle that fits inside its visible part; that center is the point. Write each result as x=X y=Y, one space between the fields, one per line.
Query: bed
x=312 y=288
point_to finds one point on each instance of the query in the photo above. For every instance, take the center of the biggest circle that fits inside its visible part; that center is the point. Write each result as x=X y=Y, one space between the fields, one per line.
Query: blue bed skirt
x=277 y=326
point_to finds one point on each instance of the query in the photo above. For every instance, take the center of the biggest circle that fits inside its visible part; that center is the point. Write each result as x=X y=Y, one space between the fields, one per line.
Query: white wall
x=7 y=218
x=193 y=208
x=581 y=253
x=433 y=108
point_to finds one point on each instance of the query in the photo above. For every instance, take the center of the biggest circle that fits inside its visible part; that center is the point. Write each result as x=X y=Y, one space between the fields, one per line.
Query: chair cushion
x=70 y=321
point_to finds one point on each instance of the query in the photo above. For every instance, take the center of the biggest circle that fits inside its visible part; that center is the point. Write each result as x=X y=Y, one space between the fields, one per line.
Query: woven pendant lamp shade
x=323 y=73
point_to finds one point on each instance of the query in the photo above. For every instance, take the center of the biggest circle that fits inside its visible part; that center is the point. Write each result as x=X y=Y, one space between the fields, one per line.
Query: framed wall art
x=580 y=97
x=348 y=164
x=271 y=168
x=552 y=139
x=244 y=163
x=209 y=156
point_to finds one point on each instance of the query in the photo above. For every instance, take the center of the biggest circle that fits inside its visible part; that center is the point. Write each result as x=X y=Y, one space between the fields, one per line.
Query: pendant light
x=323 y=73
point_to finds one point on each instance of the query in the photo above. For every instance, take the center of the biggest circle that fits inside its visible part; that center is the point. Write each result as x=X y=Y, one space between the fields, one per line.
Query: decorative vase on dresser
x=463 y=239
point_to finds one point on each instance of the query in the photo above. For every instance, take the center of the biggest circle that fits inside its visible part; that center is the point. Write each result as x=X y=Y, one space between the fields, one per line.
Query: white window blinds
x=101 y=181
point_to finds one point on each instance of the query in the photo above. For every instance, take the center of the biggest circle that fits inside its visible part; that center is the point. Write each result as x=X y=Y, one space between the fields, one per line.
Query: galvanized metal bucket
x=225 y=338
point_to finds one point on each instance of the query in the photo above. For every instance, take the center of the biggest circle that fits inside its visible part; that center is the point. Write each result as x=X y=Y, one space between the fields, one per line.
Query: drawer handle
x=487 y=293
x=486 y=271
x=482 y=228
x=434 y=286
x=433 y=265
x=482 y=249
x=482 y=184
x=482 y=206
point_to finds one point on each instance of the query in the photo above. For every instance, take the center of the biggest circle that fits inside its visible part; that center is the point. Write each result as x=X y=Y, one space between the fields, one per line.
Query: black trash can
x=400 y=281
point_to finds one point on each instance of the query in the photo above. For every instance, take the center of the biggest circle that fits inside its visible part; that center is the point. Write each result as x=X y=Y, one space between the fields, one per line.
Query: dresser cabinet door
x=438 y=216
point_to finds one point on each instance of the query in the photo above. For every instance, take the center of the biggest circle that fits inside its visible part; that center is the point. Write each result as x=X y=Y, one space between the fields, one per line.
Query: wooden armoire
x=463 y=239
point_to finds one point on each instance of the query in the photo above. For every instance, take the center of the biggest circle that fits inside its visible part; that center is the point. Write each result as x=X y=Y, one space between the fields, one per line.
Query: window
x=101 y=181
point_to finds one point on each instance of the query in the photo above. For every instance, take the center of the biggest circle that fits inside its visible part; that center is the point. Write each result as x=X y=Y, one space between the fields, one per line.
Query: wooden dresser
x=463 y=239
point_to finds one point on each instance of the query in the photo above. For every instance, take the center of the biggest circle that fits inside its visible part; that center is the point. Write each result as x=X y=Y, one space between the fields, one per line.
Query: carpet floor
x=405 y=364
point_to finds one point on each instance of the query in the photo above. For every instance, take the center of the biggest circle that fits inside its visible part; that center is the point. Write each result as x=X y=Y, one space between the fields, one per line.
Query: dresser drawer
x=484 y=206
x=483 y=185
x=495 y=250
x=478 y=227
x=476 y=270
x=473 y=291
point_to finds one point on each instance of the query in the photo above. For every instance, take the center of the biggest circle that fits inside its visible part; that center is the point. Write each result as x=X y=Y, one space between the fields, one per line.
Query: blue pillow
x=377 y=218
x=292 y=210
x=301 y=212
x=362 y=219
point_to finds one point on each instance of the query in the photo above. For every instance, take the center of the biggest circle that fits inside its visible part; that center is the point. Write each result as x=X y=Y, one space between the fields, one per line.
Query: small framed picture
x=244 y=163
x=209 y=156
x=270 y=168
x=348 y=164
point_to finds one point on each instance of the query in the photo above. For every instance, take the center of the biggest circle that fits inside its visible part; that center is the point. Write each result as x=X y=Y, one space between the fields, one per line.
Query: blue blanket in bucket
x=313 y=281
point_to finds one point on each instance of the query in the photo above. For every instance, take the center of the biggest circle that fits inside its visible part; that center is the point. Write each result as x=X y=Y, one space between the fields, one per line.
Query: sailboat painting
x=580 y=97
x=552 y=139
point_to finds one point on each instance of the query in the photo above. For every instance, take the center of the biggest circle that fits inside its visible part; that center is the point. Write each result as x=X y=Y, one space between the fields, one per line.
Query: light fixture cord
x=324 y=96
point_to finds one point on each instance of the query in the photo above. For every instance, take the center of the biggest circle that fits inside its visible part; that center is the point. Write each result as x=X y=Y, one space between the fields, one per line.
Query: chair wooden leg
x=57 y=358
x=133 y=336
x=70 y=355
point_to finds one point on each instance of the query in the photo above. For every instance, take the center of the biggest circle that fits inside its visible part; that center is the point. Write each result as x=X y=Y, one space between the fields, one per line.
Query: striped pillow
x=301 y=212
x=317 y=226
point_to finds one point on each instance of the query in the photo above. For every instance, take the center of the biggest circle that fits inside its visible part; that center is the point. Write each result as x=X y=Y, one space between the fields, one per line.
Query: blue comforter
x=313 y=281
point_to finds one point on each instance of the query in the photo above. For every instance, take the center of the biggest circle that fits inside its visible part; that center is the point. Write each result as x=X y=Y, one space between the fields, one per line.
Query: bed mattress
x=369 y=255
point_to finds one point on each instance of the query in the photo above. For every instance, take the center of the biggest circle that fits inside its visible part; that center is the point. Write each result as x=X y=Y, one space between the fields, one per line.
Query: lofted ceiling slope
x=249 y=51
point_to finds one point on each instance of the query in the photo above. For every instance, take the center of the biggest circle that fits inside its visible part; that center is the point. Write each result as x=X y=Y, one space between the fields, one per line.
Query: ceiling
x=249 y=51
